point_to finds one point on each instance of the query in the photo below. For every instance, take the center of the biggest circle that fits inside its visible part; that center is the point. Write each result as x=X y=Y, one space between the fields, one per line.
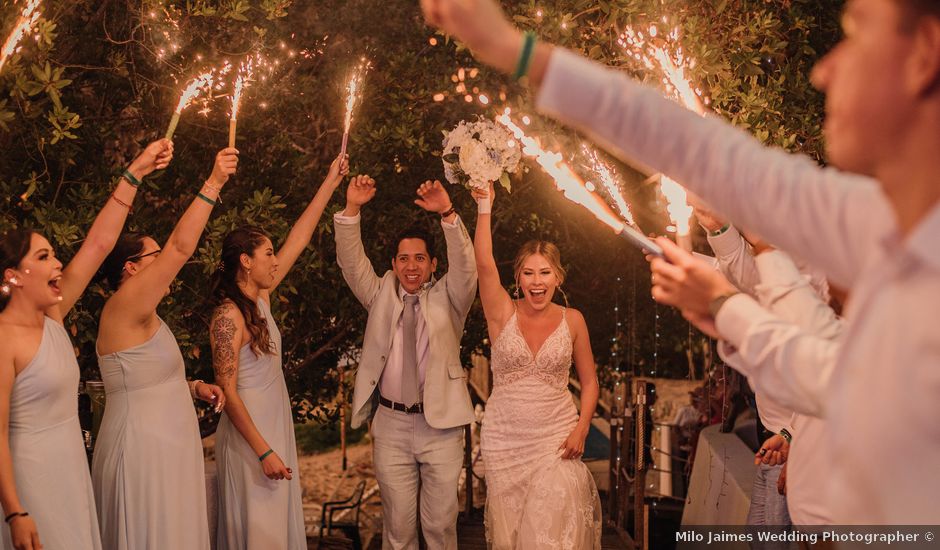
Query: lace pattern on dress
x=512 y=360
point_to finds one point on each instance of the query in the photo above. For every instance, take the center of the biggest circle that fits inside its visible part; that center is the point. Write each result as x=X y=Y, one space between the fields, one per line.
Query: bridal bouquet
x=476 y=153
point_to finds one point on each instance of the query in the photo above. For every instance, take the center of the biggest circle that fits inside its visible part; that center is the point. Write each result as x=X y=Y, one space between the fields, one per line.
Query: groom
x=410 y=377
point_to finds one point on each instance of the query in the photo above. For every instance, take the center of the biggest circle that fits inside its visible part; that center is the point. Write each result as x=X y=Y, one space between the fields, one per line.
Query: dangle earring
x=6 y=289
x=515 y=292
x=564 y=296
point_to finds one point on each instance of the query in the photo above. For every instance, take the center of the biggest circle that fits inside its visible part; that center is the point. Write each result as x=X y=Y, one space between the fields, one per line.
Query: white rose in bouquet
x=477 y=153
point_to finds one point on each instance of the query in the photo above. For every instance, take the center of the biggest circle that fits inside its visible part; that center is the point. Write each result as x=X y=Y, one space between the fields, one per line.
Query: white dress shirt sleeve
x=828 y=217
x=735 y=259
x=778 y=357
x=788 y=352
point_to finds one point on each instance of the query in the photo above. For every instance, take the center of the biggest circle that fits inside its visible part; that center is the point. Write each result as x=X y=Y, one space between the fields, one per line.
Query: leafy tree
x=104 y=75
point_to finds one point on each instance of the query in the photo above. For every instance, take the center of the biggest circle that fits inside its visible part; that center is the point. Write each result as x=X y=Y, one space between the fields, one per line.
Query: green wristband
x=784 y=433
x=525 y=58
x=211 y=202
x=131 y=179
x=720 y=231
x=265 y=455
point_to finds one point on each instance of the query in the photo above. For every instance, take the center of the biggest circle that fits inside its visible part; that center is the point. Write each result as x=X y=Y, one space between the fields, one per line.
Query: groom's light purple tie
x=409 y=371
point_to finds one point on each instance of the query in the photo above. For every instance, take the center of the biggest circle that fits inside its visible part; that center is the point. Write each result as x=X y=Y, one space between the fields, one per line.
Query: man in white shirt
x=875 y=237
x=410 y=376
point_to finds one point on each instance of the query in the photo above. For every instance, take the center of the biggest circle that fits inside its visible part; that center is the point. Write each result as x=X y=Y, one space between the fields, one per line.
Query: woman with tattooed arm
x=259 y=495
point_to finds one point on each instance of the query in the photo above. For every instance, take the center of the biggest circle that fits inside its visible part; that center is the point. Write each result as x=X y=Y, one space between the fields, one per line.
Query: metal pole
x=342 y=414
x=639 y=482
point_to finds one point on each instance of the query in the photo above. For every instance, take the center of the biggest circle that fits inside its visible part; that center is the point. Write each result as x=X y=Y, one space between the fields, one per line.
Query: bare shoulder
x=575 y=320
x=21 y=346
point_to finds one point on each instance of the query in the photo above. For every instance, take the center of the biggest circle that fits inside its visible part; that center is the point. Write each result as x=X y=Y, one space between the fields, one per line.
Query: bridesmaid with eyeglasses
x=45 y=488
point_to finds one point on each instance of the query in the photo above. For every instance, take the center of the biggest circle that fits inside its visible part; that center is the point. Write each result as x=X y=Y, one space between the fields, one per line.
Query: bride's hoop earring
x=564 y=296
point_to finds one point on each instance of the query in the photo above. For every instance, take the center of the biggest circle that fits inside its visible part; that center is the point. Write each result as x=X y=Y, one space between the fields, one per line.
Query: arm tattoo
x=223 y=350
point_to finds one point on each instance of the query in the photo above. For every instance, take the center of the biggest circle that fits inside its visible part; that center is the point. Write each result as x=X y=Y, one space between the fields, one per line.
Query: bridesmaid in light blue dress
x=259 y=491
x=45 y=489
x=148 y=470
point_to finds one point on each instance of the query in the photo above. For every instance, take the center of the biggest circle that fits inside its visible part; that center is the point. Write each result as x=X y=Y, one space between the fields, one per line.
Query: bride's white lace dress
x=535 y=499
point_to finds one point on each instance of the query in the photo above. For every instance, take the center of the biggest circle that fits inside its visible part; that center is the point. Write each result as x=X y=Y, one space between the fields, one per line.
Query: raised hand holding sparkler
x=26 y=20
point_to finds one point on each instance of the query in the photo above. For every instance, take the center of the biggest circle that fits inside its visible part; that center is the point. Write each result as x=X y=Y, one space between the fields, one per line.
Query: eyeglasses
x=142 y=256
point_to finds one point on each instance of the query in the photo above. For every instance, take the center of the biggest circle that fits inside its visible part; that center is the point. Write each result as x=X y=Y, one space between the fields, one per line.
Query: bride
x=539 y=493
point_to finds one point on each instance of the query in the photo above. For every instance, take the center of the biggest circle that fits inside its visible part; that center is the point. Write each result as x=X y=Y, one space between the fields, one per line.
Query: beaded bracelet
x=192 y=386
x=131 y=179
x=265 y=455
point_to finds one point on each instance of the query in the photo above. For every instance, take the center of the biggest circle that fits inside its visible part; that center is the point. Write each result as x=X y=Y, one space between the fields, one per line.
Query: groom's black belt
x=417 y=408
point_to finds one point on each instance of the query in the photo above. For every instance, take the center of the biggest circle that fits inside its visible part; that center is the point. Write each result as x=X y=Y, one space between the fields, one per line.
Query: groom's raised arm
x=461 y=267
x=461 y=278
x=350 y=253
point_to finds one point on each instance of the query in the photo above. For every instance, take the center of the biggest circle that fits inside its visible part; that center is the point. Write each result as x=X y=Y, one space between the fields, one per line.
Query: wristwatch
x=715 y=305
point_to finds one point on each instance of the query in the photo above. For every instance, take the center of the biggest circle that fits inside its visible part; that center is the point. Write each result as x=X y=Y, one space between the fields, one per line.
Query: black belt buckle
x=417 y=408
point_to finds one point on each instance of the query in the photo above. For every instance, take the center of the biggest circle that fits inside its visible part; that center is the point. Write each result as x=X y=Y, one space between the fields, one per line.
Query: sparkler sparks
x=677 y=84
x=565 y=178
x=245 y=74
x=574 y=188
x=610 y=183
x=353 y=94
x=204 y=81
x=24 y=23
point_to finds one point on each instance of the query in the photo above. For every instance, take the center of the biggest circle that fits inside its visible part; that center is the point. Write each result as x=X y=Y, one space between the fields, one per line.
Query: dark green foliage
x=77 y=105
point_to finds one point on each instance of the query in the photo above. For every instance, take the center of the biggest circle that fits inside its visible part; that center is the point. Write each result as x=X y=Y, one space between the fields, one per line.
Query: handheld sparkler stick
x=245 y=73
x=204 y=80
x=633 y=236
x=353 y=93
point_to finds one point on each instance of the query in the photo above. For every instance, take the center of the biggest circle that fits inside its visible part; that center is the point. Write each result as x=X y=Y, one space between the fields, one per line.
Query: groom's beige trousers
x=410 y=456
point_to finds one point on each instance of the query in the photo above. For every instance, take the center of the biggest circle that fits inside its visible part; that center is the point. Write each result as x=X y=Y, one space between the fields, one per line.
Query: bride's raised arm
x=497 y=305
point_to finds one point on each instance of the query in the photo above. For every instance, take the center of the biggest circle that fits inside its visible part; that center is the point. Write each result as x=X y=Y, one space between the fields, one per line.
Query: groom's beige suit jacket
x=444 y=305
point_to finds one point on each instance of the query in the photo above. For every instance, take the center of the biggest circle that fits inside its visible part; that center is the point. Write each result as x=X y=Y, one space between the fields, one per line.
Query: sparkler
x=568 y=182
x=353 y=93
x=678 y=85
x=204 y=81
x=27 y=19
x=609 y=183
x=245 y=73
x=192 y=89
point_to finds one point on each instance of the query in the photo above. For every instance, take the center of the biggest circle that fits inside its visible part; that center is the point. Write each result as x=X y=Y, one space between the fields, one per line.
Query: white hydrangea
x=480 y=152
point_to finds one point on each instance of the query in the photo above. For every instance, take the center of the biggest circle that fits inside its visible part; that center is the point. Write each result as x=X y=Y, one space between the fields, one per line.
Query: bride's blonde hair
x=548 y=251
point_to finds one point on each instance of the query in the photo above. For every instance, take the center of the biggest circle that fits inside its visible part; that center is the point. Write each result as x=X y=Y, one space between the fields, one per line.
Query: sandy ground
x=323 y=479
